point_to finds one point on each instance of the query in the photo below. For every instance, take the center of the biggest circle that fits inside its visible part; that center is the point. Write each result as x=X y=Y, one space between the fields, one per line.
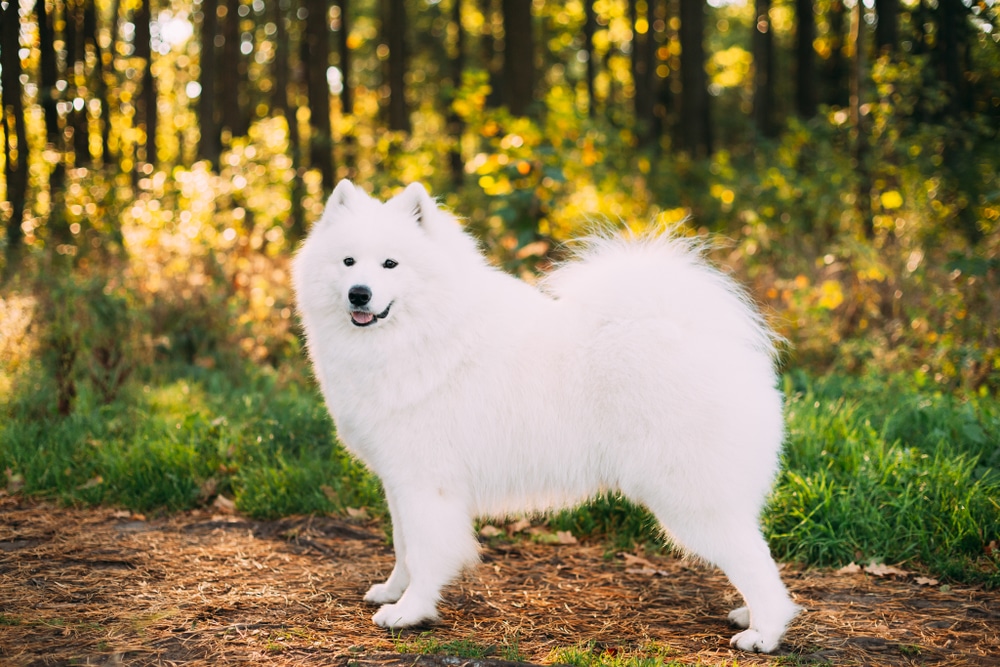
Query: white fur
x=637 y=368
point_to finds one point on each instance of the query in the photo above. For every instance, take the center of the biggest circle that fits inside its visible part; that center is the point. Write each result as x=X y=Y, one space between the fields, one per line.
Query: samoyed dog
x=636 y=368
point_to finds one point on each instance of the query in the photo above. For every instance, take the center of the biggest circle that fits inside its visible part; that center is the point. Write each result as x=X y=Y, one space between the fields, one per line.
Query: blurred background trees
x=172 y=152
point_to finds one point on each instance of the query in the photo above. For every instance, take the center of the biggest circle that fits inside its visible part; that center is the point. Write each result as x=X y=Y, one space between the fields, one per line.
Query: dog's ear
x=343 y=193
x=415 y=200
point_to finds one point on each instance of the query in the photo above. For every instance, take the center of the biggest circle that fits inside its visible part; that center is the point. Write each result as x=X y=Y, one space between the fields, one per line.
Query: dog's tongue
x=362 y=317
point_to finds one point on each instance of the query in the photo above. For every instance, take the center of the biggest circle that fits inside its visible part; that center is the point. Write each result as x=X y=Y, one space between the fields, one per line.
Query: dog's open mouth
x=364 y=318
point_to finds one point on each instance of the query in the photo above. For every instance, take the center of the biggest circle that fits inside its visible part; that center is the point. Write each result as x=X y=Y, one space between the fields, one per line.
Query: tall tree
x=589 y=28
x=210 y=143
x=805 y=59
x=519 y=55
x=860 y=138
x=763 y=67
x=347 y=89
x=15 y=140
x=837 y=68
x=887 y=26
x=456 y=127
x=101 y=62
x=951 y=17
x=316 y=60
x=643 y=55
x=394 y=27
x=146 y=111
x=48 y=76
x=76 y=65
x=232 y=83
x=695 y=126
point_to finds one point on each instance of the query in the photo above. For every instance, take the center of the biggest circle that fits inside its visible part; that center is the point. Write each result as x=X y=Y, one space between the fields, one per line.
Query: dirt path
x=104 y=587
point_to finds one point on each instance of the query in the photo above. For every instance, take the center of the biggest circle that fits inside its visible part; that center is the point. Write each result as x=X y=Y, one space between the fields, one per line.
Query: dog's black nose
x=359 y=295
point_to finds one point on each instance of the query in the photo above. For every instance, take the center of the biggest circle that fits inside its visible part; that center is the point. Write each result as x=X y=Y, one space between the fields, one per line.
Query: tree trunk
x=395 y=36
x=90 y=31
x=48 y=73
x=887 y=27
x=589 y=28
x=77 y=69
x=282 y=82
x=695 y=126
x=347 y=92
x=805 y=58
x=763 y=80
x=643 y=65
x=456 y=127
x=863 y=192
x=210 y=144
x=837 y=67
x=146 y=112
x=519 y=55
x=15 y=145
x=951 y=17
x=316 y=60
x=235 y=117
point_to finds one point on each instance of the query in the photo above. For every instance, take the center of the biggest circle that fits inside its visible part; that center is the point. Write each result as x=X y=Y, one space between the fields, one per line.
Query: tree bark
x=837 y=68
x=863 y=192
x=347 y=92
x=589 y=28
x=15 y=145
x=456 y=127
x=146 y=112
x=695 y=125
x=395 y=36
x=234 y=113
x=805 y=59
x=763 y=80
x=887 y=27
x=316 y=60
x=519 y=55
x=210 y=143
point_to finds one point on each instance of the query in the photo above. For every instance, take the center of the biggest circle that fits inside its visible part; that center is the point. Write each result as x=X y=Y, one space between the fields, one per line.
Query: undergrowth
x=876 y=468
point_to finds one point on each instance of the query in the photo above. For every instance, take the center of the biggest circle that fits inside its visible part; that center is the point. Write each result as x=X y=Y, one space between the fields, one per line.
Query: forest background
x=162 y=159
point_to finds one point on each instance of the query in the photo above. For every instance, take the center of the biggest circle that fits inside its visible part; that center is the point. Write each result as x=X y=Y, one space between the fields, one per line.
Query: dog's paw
x=403 y=615
x=740 y=617
x=383 y=594
x=753 y=641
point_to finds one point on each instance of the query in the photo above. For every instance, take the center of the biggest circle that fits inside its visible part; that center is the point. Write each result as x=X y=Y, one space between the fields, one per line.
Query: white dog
x=637 y=369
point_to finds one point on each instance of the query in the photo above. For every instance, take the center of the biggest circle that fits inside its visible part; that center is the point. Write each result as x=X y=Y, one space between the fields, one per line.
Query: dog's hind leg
x=437 y=533
x=393 y=587
x=735 y=545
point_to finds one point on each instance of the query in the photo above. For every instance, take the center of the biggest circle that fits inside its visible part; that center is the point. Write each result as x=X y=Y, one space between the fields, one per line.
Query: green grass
x=427 y=644
x=883 y=469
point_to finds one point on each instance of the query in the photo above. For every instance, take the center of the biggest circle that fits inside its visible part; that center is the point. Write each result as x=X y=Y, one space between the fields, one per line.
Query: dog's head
x=364 y=260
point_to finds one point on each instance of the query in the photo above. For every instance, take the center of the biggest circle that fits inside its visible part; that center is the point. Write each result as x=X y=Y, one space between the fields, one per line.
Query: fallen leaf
x=519 y=525
x=15 y=481
x=490 y=531
x=850 y=568
x=882 y=570
x=926 y=581
x=992 y=549
x=330 y=494
x=565 y=537
x=224 y=505
x=91 y=483
x=208 y=489
x=121 y=514
x=358 y=513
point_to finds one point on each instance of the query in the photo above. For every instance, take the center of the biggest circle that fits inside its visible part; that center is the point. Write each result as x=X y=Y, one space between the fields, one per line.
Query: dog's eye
x=390 y=264
x=348 y=261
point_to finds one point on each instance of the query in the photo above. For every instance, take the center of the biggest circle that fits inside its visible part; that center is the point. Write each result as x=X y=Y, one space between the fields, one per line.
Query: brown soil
x=99 y=586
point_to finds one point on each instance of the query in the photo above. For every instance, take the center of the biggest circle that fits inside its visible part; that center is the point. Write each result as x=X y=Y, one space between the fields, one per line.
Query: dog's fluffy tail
x=621 y=276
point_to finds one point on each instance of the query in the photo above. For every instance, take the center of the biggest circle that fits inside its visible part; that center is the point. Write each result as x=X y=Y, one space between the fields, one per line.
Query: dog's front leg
x=393 y=587
x=436 y=531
